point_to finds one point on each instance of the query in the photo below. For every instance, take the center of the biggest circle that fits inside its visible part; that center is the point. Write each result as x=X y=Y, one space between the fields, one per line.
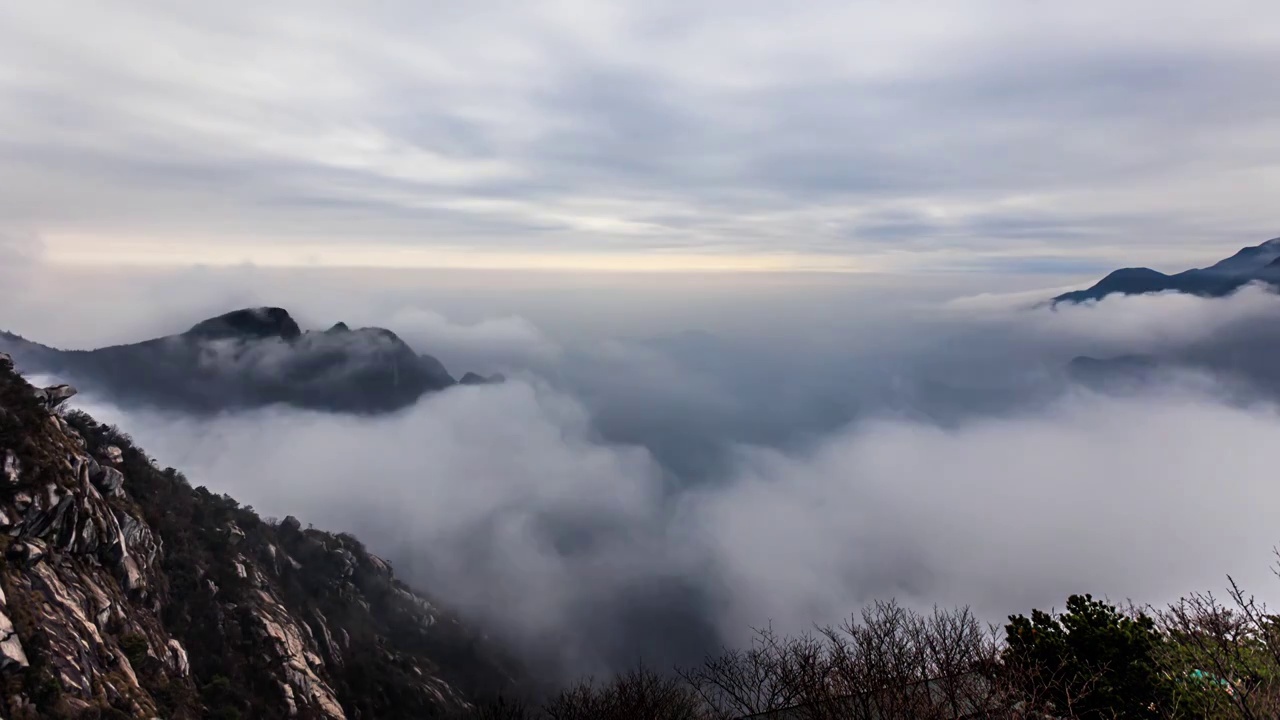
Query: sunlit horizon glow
x=74 y=250
x=80 y=251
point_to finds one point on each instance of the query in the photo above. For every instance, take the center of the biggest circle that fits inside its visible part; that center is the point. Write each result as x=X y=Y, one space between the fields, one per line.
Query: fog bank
x=656 y=498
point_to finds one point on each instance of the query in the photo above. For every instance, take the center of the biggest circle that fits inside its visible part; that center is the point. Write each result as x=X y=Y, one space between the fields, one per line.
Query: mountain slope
x=249 y=358
x=1259 y=263
x=128 y=593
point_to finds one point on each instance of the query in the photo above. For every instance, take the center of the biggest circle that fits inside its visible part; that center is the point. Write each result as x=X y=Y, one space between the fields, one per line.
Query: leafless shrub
x=501 y=708
x=771 y=674
x=1226 y=655
x=888 y=662
x=639 y=694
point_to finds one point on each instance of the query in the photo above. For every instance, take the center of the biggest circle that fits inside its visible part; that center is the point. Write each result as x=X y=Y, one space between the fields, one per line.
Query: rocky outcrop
x=124 y=590
x=260 y=322
x=247 y=358
x=54 y=395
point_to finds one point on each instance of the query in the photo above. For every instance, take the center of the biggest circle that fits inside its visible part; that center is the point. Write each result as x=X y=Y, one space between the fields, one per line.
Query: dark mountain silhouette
x=1113 y=372
x=1260 y=263
x=250 y=358
x=477 y=379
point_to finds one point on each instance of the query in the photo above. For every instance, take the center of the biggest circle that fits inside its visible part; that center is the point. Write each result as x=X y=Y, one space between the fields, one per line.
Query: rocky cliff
x=126 y=593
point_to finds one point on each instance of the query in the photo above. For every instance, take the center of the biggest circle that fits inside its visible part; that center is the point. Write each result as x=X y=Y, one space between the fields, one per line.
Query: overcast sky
x=978 y=135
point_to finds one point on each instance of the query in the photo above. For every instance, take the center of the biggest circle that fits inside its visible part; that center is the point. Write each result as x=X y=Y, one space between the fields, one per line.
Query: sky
x=975 y=136
x=766 y=283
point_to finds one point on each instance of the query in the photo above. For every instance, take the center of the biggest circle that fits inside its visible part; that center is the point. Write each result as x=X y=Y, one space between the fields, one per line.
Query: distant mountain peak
x=259 y=322
x=236 y=360
x=1250 y=264
x=472 y=378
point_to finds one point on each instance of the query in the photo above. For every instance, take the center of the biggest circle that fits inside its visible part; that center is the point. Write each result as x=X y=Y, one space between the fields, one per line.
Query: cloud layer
x=500 y=501
x=592 y=525
x=972 y=135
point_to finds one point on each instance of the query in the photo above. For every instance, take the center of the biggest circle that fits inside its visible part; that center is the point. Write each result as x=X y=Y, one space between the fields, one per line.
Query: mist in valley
x=789 y=449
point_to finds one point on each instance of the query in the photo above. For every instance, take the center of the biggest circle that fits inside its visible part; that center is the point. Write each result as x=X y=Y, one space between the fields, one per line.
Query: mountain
x=1260 y=263
x=250 y=358
x=476 y=379
x=1113 y=372
x=127 y=593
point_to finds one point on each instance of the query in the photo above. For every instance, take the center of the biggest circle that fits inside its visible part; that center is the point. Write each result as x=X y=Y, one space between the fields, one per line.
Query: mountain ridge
x=1256 y=263
x=251 y=357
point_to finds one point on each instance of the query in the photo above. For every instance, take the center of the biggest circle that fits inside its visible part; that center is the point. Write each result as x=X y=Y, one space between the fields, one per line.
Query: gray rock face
x=11 y=651
x=54 y=395
x=178 y=660
x=346 y=562
x=11 y=469
x=86 y=583
x=109 y=481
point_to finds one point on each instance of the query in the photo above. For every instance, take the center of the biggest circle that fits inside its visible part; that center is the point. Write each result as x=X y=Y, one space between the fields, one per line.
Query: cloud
x=499 y=343
x=1214 y=333
x=588 y=554
x=493 y=498
x=20 y=253
x=969 y=134
x=1161 y=321
x=1002 y=303
x=1146 y=498
x=636 y=496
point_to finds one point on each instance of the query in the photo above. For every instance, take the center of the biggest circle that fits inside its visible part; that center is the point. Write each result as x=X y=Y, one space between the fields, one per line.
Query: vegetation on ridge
x=1199 y=658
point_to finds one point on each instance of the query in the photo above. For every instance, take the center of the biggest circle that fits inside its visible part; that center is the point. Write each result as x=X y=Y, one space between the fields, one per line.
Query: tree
x=1092 y=661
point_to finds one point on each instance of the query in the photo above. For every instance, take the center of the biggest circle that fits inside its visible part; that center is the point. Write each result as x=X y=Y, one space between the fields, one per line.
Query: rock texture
x=125 y=592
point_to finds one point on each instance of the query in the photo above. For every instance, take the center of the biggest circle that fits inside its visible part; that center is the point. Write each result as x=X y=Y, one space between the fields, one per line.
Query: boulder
x=178 y=659
x=11 y=652
x=54 y=395
x=346 y=562
x=109 y=481
x=11 y=469
x=27 y=552
x=380 y=566
x=234 y=534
